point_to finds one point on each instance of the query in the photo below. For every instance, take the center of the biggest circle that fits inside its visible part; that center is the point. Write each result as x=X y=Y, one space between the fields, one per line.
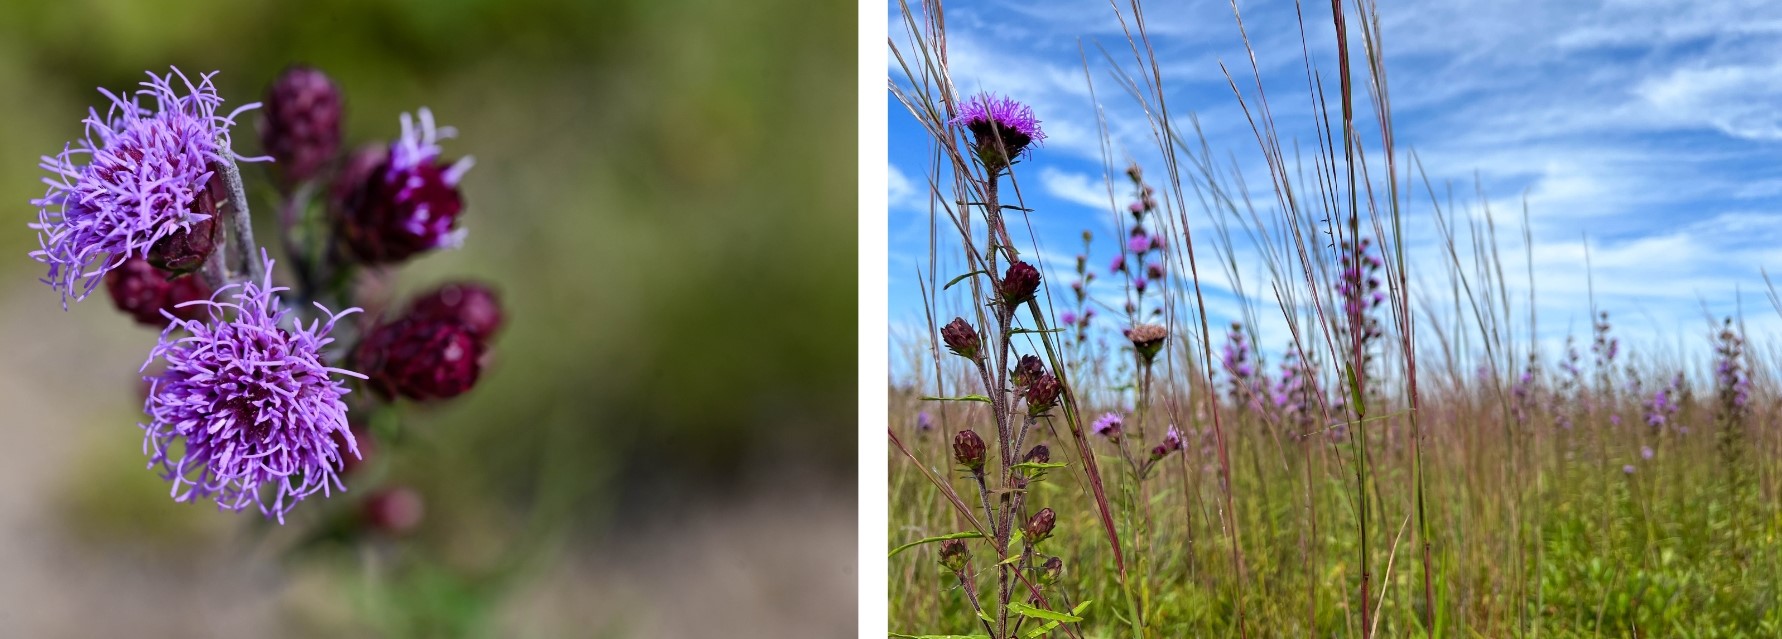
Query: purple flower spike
x=135 y=182
x=250 y=402
x=992 y=119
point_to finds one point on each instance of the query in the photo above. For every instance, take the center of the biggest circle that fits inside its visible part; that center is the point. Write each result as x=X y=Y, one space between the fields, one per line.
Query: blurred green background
x=664 y=195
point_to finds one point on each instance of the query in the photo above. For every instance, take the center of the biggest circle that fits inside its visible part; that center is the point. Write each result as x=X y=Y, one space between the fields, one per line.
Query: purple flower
x=1119 y=264
x=923 y=422
x=410 y=202
x=1067 y=318
x=993 y=119
x=1645 y=452
x=1138 y=243
x=246 y=403
x=1628 y=469
x=136 y=182
x=1172 y=439
x=1108 y=425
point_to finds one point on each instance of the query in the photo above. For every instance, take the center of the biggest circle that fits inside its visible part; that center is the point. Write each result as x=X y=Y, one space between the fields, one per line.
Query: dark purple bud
x=954 y=555
x=1154 y=271
x=961 y=338
x=143 y=291
x=1027 y=371
x=184 y=251
x=474 y=305
x=406 y=205
x=1019 y=283
x=1158 y=451
x=394 y=511
x=1042 y=394
x=1040 y=525
x=969 y=450
x=300 y=124
x=1051 y=571
x=420 y=359
x=1039 y=455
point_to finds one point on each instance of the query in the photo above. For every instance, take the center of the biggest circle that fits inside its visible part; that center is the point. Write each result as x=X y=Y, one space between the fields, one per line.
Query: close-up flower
x=136 y=184
x=408 y=204
x=247 y=409
x=1002 y=129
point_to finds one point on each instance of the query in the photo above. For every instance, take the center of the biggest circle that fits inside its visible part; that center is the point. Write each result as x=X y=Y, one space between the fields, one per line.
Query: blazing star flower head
x=138 y=181
x=408 y=204
x=1172 y=438
x=1119 y=264
x=992 y=118
x=1139 y=242
x=253 y=406
x=1108 y=425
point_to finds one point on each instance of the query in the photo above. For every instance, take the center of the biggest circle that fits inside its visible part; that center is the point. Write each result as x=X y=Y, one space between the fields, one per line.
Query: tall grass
x=1358 y=481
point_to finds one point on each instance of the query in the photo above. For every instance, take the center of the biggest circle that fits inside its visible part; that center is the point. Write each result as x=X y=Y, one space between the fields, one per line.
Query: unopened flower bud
x=1039 y=455
x=1051 y=571
x=1043 y=394
x=1040 y=525
x=301 y=124
x=1027 y=370
x=1019 y=283
x=954 y=555
x=142 y=291
x=469 y=303
x=969 y=450
x=961 y=338
x=420 y=358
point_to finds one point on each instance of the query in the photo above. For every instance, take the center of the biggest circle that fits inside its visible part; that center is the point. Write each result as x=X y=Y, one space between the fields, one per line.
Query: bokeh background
x=664 y=196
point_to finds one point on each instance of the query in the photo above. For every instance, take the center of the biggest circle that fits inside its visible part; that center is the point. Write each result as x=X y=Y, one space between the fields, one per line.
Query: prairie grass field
x=1409 y=457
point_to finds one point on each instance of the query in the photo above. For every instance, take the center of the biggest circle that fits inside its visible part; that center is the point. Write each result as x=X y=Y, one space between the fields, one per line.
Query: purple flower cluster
x=248 y=397
x=1663 y=404
x=1298 y=393
x=139 y=180
x=1248 y=387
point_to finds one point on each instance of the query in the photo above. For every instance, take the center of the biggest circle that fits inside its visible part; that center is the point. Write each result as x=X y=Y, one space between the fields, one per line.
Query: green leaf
x=961 y=398
x=1048 y=626
x=918 y=542
x=1019 y=331
x=1040 y=613
x=956 y=280
x=1039 y=465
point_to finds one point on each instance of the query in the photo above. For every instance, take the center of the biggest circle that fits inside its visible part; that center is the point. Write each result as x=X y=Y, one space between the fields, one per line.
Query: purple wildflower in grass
x=1108 y=425
x=1139 y=242
x=1067 y=318
x=1628 y=469
x=246 y=403
x=1646 y=452
x=924 y=423
x=1154 y=271
x=1118 y=265
x=136 y=185
x=1001 y=127
x=1172 y=439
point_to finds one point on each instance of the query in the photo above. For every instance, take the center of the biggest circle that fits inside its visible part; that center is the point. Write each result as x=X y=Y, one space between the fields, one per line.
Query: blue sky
x=1654 y=126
